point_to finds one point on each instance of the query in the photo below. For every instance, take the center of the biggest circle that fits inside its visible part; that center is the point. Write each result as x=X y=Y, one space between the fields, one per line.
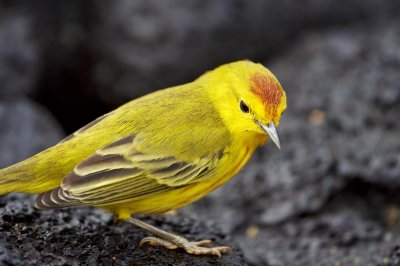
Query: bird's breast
x=231 y=163
x=229 y=168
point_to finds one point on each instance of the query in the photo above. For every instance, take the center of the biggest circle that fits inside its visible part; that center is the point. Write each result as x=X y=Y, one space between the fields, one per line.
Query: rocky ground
x=84 y=236
x=329 y=197
x=331 y=194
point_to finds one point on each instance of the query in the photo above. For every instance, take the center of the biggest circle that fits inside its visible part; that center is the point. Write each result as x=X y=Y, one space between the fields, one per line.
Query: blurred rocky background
x=331 y=196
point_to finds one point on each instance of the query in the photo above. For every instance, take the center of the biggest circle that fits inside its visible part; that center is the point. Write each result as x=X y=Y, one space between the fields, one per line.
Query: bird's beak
x=270 y=129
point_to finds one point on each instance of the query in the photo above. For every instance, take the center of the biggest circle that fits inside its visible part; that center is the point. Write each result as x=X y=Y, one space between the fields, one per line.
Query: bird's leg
x=172 y=241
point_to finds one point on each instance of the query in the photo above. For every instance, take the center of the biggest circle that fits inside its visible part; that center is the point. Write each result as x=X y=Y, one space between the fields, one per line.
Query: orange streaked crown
x=268 y=89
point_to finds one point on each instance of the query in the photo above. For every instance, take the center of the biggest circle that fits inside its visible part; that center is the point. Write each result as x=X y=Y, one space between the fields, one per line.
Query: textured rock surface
x=19 y=57
x=25 y=129
x=88 y=56
x=146 y=45
x=330 y=194
x=83 y=236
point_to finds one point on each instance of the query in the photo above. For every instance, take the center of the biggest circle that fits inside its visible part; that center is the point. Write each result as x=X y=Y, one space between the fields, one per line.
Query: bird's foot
x=198 y=248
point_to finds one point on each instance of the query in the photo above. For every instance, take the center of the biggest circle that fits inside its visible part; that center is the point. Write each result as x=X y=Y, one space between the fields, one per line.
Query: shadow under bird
x=159 y=152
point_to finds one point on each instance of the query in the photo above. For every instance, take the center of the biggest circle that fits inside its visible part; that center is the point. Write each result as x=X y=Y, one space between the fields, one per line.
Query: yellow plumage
x=158 y=152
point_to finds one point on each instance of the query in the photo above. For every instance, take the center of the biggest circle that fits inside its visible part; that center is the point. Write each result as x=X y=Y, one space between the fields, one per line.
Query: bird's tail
x=24 y=177
x=12 y=179
x=55 y=198
x=37 y=174
x=6 y=186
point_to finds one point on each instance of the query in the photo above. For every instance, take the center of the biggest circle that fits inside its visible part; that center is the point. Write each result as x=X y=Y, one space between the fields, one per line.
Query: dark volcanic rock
x=141 y=46
x=340 y=141
x=337 y=236
x=25 y=129
x=90 y=56
x=65 y=86
x=351 y=78
x=86 y=236
x=330 y=196
x=393 y=259
x=19 y=59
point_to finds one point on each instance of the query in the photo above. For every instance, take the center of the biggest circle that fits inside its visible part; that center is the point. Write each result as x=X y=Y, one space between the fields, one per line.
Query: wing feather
x=119 y=172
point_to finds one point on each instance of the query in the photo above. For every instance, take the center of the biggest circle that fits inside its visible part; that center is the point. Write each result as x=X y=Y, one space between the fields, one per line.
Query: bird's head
x=250 y=99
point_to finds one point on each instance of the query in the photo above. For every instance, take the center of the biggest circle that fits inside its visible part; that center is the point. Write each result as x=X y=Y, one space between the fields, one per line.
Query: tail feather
x=15 y=178
x=26 y=177
x=56 y=198
x=7 y=185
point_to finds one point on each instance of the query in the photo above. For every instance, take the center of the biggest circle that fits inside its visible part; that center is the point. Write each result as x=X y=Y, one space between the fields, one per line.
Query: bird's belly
x=179 y=197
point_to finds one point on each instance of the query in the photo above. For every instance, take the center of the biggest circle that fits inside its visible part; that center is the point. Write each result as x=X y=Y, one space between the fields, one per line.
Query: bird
x=159 y=152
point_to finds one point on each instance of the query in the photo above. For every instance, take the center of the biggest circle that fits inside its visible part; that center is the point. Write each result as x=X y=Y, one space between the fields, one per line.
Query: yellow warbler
x=159 y=152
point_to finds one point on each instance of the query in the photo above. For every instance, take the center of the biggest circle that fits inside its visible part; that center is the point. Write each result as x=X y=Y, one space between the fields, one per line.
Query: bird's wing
x=119 y=172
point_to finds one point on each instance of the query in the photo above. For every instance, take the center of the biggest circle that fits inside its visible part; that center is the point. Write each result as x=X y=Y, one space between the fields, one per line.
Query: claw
x=197 y=248
x=172 y=241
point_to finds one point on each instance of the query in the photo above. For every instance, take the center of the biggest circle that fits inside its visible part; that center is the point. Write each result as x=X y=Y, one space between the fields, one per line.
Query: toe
x=202 y=243
x=203 y=251
x=155 y=241
x=224 y=249
x=199 y=250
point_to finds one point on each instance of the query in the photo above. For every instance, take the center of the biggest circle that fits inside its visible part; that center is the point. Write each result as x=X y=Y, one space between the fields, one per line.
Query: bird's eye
x=243 y=107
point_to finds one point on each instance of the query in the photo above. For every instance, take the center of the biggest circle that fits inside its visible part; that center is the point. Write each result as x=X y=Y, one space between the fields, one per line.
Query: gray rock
x=141 y=46
x=329 y=197
x=393 y=259
x=341 y=236
x=43 y=55
x=19 y=58
x=325 y=197
x=87 y=236
x=352 y=77
x=25 y=129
